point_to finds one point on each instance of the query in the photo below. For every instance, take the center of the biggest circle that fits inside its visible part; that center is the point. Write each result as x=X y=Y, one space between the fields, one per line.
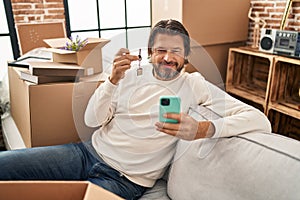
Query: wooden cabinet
x=270 y=83
x=248 y=75
x=285 y=85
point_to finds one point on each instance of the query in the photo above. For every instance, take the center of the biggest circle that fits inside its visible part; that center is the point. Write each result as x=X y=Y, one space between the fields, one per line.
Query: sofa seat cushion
x=250 y=166
x=158 y=191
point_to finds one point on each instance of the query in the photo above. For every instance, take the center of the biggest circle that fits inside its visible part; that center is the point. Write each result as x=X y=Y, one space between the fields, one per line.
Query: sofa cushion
x=249 y=166
x=159 y=191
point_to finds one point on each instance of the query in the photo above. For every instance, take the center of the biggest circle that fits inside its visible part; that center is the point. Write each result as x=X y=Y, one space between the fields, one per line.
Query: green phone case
x=168 y=104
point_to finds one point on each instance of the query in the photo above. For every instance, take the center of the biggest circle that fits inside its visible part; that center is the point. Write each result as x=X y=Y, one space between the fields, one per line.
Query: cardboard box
x=89 y=56
x=208 y=22
x=217 y=21
x=53 y=190
x=31 y=35
x=49 y=114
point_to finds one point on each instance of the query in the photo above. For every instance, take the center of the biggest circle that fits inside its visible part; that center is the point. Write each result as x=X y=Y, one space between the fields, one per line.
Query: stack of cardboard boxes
x=50 y=114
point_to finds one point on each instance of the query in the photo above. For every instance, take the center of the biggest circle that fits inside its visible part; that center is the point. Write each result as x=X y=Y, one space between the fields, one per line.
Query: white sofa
x=254 y=166
x=251 y=166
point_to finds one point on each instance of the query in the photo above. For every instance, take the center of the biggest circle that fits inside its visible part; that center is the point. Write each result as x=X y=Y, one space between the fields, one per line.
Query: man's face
x=167 y=56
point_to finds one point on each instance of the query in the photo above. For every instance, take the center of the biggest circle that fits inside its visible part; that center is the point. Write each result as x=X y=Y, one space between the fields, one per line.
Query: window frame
x=99 y=29
x=11 y=28
x=13 y=34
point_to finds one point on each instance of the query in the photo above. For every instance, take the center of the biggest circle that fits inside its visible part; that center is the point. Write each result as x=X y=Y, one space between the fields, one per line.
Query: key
x=139 y=71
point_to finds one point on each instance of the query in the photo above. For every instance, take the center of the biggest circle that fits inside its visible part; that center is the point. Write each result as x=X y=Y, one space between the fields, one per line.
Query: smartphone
x=168 y=104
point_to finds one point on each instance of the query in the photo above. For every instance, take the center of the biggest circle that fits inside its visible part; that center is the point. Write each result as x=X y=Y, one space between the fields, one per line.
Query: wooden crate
x=285 y=87
x=248 y=75
x=284 y=124
x=268 y=82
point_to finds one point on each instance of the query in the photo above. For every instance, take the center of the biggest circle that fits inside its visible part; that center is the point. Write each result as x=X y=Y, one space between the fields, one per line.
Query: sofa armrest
x=249 y=166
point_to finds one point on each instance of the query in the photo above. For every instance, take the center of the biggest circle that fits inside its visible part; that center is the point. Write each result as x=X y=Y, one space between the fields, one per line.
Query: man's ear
x=149 y=52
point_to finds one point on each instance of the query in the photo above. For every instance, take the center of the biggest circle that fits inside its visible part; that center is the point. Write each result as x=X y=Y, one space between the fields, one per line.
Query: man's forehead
x=168 y=41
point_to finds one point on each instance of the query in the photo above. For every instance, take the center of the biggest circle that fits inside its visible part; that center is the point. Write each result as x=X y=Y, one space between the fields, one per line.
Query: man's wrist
x=206 y=129
x=114 y=81
x=210 y=131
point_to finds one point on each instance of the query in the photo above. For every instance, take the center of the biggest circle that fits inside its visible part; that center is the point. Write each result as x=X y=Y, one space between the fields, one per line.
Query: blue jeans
x=66 y=162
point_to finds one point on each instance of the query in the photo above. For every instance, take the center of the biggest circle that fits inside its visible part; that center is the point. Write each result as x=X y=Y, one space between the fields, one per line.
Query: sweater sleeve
x=101 y=105
x=235 y=117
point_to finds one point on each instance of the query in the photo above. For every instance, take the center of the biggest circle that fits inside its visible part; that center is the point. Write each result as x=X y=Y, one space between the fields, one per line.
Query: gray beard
x=165 y=74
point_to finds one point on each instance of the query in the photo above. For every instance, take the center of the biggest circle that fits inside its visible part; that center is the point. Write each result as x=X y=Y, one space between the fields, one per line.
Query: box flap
x=46 y=190
x=101 y=42
x=93 y=192
x=56 y=42
x=60 y=42
x=53 y=190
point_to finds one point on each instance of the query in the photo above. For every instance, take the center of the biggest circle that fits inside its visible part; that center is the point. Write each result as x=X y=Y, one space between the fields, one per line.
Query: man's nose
x=168 y=56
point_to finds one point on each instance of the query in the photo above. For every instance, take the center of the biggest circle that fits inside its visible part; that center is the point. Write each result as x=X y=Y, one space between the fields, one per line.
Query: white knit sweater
x=127 y=139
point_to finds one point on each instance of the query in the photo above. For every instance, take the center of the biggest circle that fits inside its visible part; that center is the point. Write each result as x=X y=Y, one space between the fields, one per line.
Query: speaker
x=267 y=40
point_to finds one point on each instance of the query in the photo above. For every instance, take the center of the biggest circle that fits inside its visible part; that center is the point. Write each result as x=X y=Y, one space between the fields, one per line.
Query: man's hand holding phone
x=169 y=104
x=179 y=124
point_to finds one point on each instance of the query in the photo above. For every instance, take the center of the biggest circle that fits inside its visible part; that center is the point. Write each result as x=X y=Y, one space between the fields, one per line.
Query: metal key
x=139 y=71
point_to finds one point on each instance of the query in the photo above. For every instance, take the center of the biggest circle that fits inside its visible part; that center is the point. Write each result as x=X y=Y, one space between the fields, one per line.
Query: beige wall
x=166 y=9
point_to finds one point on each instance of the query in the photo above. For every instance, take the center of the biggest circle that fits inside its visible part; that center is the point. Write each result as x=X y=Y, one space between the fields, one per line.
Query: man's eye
x=176 y=51
x=161 y=51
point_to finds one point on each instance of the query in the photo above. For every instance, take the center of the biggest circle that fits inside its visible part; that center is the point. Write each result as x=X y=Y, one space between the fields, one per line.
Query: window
x=5 y=37
x=127 y=23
